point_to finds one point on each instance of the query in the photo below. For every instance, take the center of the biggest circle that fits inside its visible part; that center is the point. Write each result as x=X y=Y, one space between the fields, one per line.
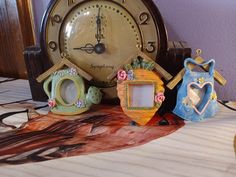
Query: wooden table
x=203 y=149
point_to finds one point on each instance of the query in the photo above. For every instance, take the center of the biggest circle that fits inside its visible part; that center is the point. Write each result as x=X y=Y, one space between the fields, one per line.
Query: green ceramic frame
x=79 y=85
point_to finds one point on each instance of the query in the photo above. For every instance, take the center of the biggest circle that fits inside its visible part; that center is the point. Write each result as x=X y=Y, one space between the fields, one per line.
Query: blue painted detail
x=196 y=98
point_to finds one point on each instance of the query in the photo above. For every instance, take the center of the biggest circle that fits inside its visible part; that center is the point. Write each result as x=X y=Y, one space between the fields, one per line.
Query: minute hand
x=99 y=27
x=99 y=47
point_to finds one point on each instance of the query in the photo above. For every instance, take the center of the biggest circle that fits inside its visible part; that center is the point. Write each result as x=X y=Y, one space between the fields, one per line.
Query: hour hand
x=88 y=48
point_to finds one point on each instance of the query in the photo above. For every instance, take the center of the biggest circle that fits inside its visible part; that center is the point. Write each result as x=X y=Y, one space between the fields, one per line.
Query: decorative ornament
x=80 y=104
x=52 y=103
x=130 y=75
x=140 y=88
x=159 y=97
x=73 y=72
x=214 y=96
x=68 y=90
x=201 y=80
x=196 y=98
x=121 y=75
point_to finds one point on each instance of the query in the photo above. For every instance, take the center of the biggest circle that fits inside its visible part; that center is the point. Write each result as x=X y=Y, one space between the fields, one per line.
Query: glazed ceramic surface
x=66 y=92
x=140 y=90
x=197 y=99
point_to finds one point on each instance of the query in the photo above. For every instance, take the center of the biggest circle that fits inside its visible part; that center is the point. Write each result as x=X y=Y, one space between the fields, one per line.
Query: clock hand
x=99 y=30
x=99 y=47
x=88 y=48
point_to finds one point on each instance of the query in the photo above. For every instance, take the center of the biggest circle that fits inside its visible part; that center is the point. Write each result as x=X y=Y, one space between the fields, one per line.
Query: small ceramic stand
x=66 y=89
x=196 y=98
x=140 y=88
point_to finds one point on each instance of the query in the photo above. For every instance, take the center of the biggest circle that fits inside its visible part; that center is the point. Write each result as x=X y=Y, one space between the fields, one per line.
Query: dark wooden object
x=25 y=22
x=176 y=53
x=35 y=67
x=173 y=63
x=15 y=34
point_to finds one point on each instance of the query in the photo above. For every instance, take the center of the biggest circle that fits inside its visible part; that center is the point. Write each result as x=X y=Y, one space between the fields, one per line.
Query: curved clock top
x=99 y=35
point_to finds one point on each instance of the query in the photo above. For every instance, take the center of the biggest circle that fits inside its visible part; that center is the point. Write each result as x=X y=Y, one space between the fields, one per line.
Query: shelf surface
x=103 y=143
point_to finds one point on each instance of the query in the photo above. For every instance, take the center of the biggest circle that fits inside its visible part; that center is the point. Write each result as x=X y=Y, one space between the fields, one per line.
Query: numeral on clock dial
x=70 y=2
x=53 y=45
x=144 y=17
x=56 y=19
x=151 y=47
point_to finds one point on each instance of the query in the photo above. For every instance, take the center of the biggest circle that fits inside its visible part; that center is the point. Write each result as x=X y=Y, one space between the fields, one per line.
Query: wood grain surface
x=235 y=145
x=15 y=34
x=205 y=149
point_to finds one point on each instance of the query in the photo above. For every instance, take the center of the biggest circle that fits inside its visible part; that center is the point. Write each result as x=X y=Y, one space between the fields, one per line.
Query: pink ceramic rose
x=121 y=75
x=160 y=97
x=52 y=103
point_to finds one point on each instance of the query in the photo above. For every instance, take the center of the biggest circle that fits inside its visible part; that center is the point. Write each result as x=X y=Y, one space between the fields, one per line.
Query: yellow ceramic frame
x=141 y=76
x=128 y=94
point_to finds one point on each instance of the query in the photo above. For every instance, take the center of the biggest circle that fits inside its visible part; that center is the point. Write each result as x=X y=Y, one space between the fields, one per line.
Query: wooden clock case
x=171 y=54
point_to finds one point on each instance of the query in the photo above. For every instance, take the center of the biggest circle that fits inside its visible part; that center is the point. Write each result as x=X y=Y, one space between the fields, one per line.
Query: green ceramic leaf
x=139 y=63
x=136 y=64
x=128 y=67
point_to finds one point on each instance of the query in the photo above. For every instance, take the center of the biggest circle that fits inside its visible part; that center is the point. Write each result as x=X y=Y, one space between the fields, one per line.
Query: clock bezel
x=151 y=6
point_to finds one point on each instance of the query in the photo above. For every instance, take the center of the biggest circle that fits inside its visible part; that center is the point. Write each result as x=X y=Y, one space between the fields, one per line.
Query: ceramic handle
x=46 y=86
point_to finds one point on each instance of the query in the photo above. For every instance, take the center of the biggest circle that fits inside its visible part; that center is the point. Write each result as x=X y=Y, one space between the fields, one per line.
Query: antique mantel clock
x=98 y=35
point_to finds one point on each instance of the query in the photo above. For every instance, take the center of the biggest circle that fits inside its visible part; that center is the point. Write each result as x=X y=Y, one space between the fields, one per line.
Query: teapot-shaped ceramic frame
x=60 y=81
x=55 y=77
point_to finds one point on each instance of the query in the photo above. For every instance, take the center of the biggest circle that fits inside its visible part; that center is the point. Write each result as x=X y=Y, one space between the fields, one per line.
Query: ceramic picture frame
x=197 y=98
x=140 y=89
x=66 y=91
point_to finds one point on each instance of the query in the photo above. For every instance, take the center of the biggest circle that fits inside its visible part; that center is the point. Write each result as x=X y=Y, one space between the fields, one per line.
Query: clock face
x=99 y=35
